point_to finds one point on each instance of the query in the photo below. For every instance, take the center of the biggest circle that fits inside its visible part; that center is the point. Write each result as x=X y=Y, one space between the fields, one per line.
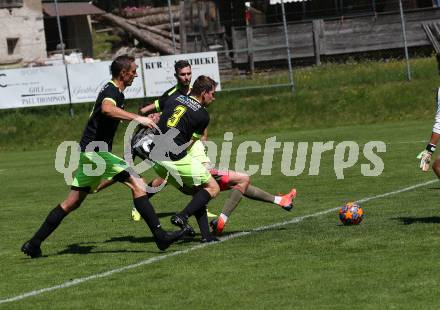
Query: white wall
x=25 y=23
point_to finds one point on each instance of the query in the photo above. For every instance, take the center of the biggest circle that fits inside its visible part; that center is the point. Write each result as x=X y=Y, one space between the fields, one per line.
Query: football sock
x=146 y=210
x=51 y=222
x=202 y=220
x=257 y=193
x=199 y=200
x=277 y=199
x=223 y=217
x=232 y=202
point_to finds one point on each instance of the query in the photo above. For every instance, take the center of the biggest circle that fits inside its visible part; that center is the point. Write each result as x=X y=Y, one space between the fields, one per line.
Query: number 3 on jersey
x=175 y=118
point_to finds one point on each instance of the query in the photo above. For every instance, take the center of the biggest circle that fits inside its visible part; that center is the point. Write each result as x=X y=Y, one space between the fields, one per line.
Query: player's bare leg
x=104 y=184
x=235 y=180
x=73 y=201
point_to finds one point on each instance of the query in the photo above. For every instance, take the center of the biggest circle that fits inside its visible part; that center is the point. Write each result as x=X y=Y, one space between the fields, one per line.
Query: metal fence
x=253 y=48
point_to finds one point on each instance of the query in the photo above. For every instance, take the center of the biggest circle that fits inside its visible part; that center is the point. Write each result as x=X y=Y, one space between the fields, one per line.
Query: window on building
x=12 y=45
x=5 y=4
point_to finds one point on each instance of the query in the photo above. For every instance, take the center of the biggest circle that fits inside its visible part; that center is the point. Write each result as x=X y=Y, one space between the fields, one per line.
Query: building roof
x=71 y=9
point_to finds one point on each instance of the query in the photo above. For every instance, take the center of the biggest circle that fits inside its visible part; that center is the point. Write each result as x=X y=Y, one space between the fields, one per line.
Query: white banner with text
x=30 y=87
x=40 y=86
x=87 y=79
x=159 y=71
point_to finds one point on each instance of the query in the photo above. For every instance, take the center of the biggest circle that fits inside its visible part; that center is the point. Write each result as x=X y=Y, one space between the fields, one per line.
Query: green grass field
x=389 y=261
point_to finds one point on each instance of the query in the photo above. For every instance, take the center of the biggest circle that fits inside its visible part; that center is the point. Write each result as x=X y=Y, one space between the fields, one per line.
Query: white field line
x=196 y=247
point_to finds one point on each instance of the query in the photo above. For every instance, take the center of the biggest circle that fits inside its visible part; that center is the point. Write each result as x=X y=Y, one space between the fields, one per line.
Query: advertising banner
x=87 y=79
x=48 y=85
x=30 y=87
x=159 y=71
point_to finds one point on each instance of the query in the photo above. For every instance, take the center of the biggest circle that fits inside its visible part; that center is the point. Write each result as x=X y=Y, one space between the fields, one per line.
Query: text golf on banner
x=159 y=71
x=33 y=87
x=87 y=79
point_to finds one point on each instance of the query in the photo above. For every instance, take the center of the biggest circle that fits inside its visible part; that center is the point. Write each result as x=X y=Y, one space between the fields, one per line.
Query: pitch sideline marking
x=229 y=237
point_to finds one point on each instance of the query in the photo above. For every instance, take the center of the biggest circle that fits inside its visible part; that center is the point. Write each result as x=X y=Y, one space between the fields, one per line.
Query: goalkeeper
x=426 y=155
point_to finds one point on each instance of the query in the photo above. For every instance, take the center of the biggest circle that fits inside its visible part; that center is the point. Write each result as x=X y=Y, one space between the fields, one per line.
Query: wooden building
x=232 y=11
x=335 y=36
x=75 y=25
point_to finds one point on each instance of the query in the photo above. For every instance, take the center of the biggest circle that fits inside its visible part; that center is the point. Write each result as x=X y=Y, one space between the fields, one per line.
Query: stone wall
x=25 y=26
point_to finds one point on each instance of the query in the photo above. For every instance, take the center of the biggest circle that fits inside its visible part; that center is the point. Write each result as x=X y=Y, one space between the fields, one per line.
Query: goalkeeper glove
x=425 y=157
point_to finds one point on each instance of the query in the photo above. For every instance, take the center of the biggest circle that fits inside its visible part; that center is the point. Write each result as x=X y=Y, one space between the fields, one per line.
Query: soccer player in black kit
x=96 y=145
x=187 y=118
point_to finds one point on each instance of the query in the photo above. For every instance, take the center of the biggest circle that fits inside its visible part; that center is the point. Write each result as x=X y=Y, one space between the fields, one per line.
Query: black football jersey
x=173 y=92
x=100 y=127
x=185 y=114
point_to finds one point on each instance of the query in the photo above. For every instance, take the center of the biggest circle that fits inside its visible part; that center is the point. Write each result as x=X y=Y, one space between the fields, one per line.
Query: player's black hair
x=120 y=63
x=181 y=64
x=203 y=83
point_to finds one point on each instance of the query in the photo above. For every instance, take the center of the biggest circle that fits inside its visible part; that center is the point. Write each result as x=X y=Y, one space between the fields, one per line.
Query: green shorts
x=188 y=171
x=89 y=176
x=197 y=151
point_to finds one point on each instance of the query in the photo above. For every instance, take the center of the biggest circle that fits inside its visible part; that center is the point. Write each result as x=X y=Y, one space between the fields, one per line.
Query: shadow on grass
x=133 y=239
x=130 y=239
x=144 y=240
x=77 y=248
x=89 y=247
x=186 y=239
x=422 y=220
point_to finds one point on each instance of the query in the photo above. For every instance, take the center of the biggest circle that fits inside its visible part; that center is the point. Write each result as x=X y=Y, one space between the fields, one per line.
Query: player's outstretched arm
x=110 y=110
x=148 y=109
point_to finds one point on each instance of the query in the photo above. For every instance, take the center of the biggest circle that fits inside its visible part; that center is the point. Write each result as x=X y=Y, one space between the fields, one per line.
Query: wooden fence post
x=250 y=37
x=182 y=30
x=318 y=34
